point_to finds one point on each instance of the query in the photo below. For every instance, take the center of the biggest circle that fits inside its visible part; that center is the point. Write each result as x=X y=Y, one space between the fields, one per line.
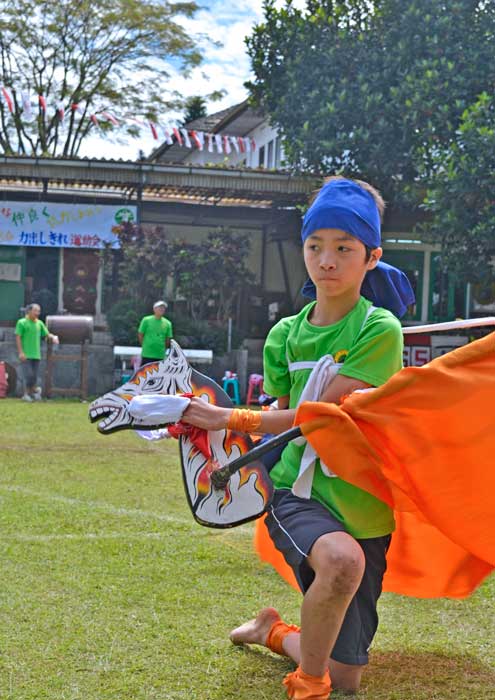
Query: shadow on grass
x=398 y=675
x=391 y=675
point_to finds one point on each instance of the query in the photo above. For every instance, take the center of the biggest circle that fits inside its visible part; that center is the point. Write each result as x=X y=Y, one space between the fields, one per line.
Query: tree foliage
x=461 y=196
x=210 y=274
x=195 y=108
x=372 y=88
x=207 y=277
x=109 y=55
x=144 y=261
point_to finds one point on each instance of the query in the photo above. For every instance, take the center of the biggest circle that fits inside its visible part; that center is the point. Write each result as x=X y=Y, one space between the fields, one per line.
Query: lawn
x=110 y=590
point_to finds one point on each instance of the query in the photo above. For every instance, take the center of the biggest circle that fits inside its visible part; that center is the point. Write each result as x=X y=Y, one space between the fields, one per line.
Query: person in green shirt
x=28 y=334
x=334 y=535
x=154 y=334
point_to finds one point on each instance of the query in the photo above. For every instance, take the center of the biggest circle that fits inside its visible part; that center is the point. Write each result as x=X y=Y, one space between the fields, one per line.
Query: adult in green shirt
x=154 y=334
x=28 y=334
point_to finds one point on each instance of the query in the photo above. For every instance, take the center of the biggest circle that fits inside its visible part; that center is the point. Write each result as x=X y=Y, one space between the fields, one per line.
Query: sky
x=224 y=67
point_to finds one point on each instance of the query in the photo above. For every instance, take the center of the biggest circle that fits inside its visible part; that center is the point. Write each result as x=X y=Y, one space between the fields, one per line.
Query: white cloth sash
x=322 y=373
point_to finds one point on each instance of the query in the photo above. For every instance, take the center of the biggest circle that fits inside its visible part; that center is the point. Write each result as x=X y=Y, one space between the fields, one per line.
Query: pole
x=450 y=325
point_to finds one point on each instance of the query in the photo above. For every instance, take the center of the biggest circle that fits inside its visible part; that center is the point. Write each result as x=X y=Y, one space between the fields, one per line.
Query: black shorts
x=294 y=525
x=147 y=360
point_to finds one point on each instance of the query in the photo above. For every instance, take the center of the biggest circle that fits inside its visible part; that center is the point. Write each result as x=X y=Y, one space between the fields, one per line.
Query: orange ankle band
x=243 y=420
x=302 y=686
x=278 y=631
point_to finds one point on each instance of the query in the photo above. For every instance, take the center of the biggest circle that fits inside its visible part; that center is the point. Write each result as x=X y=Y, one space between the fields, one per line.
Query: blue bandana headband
x=345 y=205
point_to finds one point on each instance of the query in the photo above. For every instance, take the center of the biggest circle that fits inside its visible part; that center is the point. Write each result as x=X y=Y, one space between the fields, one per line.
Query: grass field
x=110 y=590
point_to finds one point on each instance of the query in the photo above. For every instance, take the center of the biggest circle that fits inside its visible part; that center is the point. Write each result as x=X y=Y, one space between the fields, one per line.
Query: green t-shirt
x=371 y=353
x=31 y=333
x=155 y=332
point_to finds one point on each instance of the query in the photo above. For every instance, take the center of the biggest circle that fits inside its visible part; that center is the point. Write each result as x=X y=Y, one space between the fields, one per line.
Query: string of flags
x=188 y=138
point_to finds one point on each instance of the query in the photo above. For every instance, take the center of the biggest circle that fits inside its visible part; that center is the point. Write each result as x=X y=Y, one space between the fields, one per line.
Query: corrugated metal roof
x=167 y=182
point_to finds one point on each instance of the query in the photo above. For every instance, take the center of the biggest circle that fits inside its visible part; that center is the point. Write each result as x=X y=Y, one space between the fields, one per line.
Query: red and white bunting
x=198 y=139
x=26 y=104
x=219 y=143
x=189 y=138
x=107 y=117
x=154 y=130
x=8 y=99
x=177 y=135
x=168 y=138
x=185 y=136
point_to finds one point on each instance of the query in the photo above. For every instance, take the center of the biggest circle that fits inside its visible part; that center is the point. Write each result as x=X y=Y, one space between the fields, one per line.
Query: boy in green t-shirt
x=334 y=535
x=154 y=334
x=28 y=334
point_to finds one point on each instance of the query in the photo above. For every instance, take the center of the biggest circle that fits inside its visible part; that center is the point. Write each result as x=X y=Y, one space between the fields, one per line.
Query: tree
x=79 y=58
x=143 y=263
x=195 y=108
x=461 y=197
x=371 y=88
x=211 y=274
x=208 y=275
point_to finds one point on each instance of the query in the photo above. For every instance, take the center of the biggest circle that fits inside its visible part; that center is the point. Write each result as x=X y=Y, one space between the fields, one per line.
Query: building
x=229 y=172
x=438 y=296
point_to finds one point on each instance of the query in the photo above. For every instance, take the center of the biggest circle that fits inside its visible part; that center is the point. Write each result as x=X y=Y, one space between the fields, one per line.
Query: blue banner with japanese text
x=50 y=225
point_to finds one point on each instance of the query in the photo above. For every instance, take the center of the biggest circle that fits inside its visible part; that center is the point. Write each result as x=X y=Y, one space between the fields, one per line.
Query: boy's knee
x=338 y=563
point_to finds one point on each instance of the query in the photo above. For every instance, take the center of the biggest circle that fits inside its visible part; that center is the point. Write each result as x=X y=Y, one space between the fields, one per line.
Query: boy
x=154 y=334
x=334 y=535
x=28 y=334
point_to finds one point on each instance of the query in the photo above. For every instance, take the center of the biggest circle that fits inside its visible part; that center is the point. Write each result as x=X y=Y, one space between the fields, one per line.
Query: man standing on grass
x=154 y=334
x=28 y=334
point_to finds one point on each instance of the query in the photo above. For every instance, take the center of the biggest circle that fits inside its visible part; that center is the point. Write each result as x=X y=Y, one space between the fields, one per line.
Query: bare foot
x=255 y=631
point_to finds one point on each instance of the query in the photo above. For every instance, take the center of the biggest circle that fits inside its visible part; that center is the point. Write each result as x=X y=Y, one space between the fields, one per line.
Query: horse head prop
x=249 y=490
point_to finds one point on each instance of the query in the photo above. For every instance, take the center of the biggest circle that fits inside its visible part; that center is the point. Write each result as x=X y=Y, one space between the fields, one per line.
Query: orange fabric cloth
x=302 y=686
x=424 y=443
x=278 y=631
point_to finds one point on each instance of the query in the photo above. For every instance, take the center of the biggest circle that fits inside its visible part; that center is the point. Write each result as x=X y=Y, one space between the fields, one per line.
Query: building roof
x=238 y=120
x=216 y=185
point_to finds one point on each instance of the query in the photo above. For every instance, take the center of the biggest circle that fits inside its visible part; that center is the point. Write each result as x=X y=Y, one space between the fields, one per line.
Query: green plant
x=209 y=275
x=205 y=335
x=123 y=320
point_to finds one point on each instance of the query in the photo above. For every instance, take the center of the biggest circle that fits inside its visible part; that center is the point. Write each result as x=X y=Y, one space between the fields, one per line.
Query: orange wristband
x=243 y=420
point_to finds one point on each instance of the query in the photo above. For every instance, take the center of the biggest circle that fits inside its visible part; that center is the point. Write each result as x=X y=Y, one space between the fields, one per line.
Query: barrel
x=71 y=329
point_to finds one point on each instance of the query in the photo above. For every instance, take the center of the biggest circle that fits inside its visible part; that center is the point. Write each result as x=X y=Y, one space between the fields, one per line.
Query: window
x=270 y=163
x=278 y=154
x=261 y=160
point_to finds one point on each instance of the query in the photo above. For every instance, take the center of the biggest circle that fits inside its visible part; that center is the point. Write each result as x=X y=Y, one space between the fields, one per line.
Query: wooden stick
x=220 y=477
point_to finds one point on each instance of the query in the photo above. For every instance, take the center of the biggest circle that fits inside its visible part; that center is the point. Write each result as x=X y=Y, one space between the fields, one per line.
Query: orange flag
x=424 y=443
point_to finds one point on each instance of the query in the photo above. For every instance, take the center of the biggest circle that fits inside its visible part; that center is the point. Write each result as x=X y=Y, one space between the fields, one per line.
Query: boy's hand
x=22 y=357
x=206 y=415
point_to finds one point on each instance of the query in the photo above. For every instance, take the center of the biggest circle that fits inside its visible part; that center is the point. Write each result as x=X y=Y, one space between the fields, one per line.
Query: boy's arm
x=210 y=417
